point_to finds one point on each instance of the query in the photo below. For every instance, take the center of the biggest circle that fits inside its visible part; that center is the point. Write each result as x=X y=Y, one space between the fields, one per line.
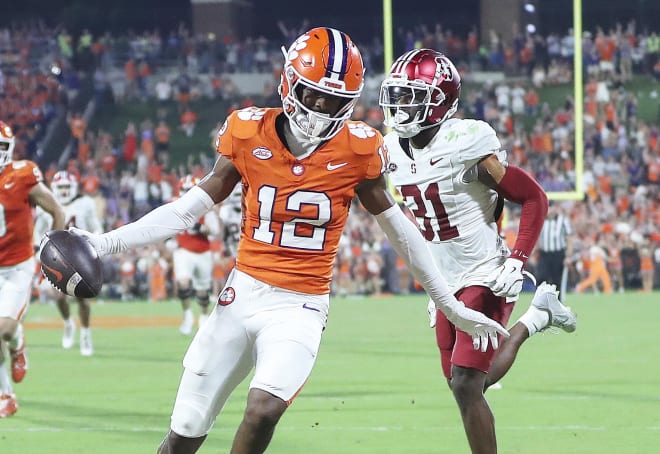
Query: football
x=71 y=264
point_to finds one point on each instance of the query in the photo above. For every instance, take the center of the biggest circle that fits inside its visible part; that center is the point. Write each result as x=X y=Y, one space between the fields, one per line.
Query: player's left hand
x=482 y=329
x=507 y=279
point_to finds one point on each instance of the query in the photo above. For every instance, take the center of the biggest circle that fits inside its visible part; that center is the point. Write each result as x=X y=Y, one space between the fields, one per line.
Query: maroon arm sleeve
x=519 y=187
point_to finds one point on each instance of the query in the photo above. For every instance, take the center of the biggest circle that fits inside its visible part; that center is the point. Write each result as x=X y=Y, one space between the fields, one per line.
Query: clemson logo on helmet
x=297 y=45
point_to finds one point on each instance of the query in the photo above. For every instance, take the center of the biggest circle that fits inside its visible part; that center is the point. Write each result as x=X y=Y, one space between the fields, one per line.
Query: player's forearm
x=408 y=242
x=519 y=187
x=159 y=224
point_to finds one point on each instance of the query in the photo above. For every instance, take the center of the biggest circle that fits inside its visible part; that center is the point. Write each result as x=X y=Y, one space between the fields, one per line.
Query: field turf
x=377 y=386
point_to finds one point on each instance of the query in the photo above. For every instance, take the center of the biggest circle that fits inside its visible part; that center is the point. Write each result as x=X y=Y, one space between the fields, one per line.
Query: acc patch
x=262 y=153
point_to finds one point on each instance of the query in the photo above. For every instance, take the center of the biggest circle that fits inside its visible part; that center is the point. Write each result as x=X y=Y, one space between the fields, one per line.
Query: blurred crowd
x=131 y=173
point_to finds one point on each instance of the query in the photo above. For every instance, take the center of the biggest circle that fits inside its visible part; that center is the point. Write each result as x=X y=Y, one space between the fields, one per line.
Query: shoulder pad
x=474 y=139
x=363 y=139
x=27 y=170
x=246 y=122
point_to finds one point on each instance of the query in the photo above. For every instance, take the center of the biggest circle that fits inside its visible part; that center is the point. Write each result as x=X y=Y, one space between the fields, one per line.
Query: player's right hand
x=433 y=313
x=482 y=329
x=95 y=240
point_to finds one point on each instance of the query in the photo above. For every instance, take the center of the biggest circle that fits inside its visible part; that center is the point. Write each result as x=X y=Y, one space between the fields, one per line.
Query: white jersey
x=454 y=210
x=80 y=213
x=231 y=216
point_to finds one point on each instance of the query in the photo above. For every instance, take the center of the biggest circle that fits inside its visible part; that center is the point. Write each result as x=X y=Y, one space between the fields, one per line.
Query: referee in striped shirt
x=555 y=246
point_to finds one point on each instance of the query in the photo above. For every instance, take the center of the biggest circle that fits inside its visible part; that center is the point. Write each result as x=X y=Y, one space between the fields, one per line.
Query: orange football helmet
x=65 y=186
x=7 y=144
x=325 y=60
x=186 y=183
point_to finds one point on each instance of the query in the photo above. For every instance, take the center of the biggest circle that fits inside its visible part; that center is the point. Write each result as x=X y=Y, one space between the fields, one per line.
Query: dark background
x=361 y=19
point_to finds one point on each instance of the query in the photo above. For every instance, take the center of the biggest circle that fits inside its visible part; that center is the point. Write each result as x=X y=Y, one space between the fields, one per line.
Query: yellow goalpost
x=578 y=93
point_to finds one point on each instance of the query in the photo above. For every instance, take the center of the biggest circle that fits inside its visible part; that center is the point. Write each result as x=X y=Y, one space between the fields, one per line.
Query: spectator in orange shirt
x=531 y=102
x=188 y=122
x=84 y=147
x=162 y=134
x=130 y=72
x=597 y=271
x=130 y=143
x=646 y=268
x=78 y=127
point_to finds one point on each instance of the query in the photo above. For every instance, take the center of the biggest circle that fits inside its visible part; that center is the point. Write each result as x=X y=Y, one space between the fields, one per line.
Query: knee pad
x=203 y=298
x=185 y=293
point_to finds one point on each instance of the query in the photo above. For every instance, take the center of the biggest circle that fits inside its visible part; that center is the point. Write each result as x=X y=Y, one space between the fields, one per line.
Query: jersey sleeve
x=223 y=141
x=477 y=139
x=368 y=143
x=239 y=127
x=28 y=173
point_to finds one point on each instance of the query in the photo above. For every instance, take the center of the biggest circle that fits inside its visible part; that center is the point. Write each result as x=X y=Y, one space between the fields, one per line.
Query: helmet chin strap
x=299 y=143
x=399 y=122
x=407 y=131
x=312 y=124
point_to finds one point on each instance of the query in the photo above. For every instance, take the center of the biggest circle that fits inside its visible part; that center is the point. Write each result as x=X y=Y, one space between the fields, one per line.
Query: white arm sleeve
x=409 y=243
x=159 y=224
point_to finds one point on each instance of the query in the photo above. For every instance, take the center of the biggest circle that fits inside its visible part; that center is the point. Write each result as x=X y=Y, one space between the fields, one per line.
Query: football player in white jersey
x=81 y=213
x=454 y=178
x=231 y=214
x=193 y=262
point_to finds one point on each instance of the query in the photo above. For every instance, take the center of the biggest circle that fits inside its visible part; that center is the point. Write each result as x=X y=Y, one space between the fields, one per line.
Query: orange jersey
x=295 y=209
x=16 y=218
x=192 y=241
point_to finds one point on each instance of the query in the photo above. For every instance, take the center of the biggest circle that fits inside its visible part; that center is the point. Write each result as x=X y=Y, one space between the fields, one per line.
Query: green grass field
x=377 y=386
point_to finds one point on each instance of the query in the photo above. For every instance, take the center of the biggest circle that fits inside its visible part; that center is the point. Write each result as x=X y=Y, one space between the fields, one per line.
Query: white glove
x=507 y=279
x=97 y=241
x=481 y=328
x=433 y=313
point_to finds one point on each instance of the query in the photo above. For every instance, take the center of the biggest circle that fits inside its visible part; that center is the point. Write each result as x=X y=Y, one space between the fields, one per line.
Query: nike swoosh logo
x=332 y=166
x=311 y=308
x=435 y=161
x=9 y=185
x=59 y=276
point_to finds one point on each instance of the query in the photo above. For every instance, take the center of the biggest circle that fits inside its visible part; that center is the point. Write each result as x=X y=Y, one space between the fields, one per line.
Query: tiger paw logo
x=227 y=296
x=361 y=130
x=297 y=46
x=251 y=113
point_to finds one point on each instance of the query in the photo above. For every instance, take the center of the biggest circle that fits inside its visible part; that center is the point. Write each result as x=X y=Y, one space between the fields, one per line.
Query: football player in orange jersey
x=21 y=189
x=193 y=262
x=301 y=166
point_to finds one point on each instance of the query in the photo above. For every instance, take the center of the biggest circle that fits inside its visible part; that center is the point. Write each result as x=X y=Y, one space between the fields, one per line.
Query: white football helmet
x=65 y=186
x=7 y=144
